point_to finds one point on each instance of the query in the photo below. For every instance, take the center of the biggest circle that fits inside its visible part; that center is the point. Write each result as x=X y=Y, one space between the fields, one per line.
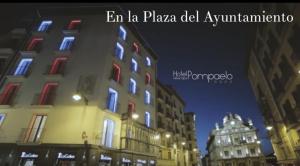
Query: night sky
x=203 y=49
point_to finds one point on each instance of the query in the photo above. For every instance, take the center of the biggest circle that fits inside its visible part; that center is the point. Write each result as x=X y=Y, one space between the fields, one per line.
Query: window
x=134 y=65
x=9 y=93
x=131 y=107
x=132 y=86
x=2 y=117
x=108 y=132
x=74 y=25
x=35 y=44
x=44 y=26
x=147 y=97
x=119 y=52
x=239 y=152
x=116 y=73
x=48 y=94
x=34 y=132
x=148 y=79
x=67 y=43
x=252 y=151
x=226 y=153
x=135 y=48
x=58 y=65
x=23 y=66
x=122 y=32
x=148 y=61
x=112 y=100
x=147 y=119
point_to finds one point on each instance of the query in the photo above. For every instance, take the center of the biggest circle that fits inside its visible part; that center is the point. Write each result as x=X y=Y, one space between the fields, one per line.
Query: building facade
x=177 y=129
x=273 y=72
x=81 y=93
x=234 y=144
x=84 y=92
x=194 y=152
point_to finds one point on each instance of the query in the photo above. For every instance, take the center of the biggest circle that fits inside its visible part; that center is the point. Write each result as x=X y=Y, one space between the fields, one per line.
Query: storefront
x=152 y=163
x=105 y=160
x=140 y=162
x=126 y=162
x=28 y=159
x=65 y=159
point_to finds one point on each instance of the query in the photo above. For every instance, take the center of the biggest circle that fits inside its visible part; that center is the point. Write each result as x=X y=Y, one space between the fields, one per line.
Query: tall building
x=234 y=143
x=177 y=129
x=84 y=92
x=190 y=126
x=273 y=72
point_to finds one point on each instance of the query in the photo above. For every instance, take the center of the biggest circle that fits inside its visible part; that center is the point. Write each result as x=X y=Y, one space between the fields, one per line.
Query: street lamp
x=156 y=137
x=78 y=96
x=269 y=128
x=298 y=71
x=258 y=142
x=182 y=143
x=135 y=116
x=168 y=135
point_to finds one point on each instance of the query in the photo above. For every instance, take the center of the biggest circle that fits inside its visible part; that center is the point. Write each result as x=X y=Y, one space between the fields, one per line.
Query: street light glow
x=76 y=97
x=258 y=142
x=135 y=116
x=168 y=135
x=269 y=128
x=156 y=137
x=183 y=143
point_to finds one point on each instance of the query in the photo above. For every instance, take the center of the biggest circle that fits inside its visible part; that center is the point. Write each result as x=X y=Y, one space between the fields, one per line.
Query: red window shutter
x=116 y=72
x=57 y=65
x=33 y=43
x=8 y=94
x=47 y=90
x=74 y=24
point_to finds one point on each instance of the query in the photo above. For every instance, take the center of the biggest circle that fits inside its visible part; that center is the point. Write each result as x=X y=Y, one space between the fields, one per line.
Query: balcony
x=31 y=136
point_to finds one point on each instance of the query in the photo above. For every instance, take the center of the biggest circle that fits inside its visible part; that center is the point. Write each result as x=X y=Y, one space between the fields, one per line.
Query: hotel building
x=81 y=91
x=234 y=144
x=273 y=71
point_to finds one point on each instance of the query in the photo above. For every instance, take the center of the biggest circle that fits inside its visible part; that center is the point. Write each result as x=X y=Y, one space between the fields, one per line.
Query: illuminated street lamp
x=135 y=116
x=269 y=128
x=195 y=149
x=78 y=97
x=182 y=143
x=156 y=137
x=168 y=135
x=298 y=71
x=258 y=142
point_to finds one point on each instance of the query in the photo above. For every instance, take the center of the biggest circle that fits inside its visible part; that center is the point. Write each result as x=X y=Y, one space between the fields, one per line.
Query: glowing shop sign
x=141 y=161
x=29 y=155
x=125 y=160
x=103 y=157
x=65 y=156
